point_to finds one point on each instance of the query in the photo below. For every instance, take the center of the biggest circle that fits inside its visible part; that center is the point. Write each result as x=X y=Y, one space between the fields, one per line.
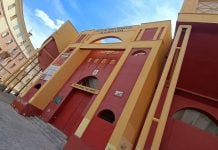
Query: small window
x=11 y=6
x=16 y=27
x=9 y=42
x=27 y=46
x=4 y=55
x=20 y=57
x=37 y=86
x=139 y=52
x=107 y=115
x=23 y=42
x=13 y=17
x=197 y=119
x=12 y=65
x=5 y=34
x=19 y=34
x=13 y=51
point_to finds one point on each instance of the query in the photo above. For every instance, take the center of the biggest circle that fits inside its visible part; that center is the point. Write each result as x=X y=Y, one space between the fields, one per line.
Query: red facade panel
x=179 y=135
x=80 y=39
x=199 y=70
x=47 y=54
x=160 y=33
x=74 y=104
x=148 y=34
x=196 y=90
x=114 y=102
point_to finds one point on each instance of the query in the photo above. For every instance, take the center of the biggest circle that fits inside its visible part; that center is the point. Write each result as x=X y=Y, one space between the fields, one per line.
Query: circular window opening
x=37 y=86
x=107 y=115
x=139 y=52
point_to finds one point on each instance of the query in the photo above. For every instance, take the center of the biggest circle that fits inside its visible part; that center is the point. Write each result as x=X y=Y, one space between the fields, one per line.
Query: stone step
x=50 y=127
x=58 y=140
x=52 y=133
x=7 y=97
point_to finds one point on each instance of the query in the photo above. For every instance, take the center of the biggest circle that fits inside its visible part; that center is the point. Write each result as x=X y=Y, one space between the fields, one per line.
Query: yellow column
x=42 y=98
x=166 y=108
x=155 y=101
x=93 y=108
x=128 y=126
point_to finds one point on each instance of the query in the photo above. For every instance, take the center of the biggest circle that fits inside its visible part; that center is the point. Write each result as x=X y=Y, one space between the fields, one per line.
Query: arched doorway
x=70 y=114
x=197 y=119
x=190 y=128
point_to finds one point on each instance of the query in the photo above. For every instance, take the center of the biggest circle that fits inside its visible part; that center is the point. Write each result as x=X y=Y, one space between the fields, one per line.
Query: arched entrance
x=71 y=112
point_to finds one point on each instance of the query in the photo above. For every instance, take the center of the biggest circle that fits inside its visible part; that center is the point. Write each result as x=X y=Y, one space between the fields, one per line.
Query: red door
x=70 y=115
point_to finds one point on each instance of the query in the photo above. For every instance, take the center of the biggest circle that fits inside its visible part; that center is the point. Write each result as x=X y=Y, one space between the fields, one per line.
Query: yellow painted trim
x=85 y=88
x=134 y=98
x=83 y=125
x=118 y=46
x=46 y=93
x=93 y=108
x=189 y=6
x=140 y=34
x=147 y=125
x=66 y=34
x=198 y=17
x=104 y=46
x=135 y=35
x=169 y=98
x=157 y=33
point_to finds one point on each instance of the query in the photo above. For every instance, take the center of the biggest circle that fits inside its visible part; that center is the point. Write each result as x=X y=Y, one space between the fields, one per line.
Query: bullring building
x=134 y=87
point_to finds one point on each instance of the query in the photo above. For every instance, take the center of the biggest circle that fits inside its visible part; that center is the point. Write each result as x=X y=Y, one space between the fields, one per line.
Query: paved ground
x=7 y=98
x=17 y=133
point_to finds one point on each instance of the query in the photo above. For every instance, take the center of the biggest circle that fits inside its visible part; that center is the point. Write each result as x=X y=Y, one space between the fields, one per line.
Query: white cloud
x=39 y=32
x=53 y=24
x=141 y=11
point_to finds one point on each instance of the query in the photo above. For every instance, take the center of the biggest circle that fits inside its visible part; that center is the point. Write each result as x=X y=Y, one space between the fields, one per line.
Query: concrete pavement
x=17 y=133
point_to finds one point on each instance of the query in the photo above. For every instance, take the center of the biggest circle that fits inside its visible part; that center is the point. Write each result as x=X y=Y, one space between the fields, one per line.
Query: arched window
x=108 y=40
x=139 y=52
x=197 y=119
x=91 y=82
x=37 y=86
x=107 y=115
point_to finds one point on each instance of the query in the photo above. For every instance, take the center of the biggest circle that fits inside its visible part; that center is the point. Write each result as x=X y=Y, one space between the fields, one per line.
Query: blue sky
x=43 y=17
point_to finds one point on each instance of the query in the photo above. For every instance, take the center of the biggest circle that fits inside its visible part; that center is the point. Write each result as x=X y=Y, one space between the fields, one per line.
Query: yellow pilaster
x=128 y=126
x=42 y=98
x=166 y=108
x=151 y=113
x=93 y=108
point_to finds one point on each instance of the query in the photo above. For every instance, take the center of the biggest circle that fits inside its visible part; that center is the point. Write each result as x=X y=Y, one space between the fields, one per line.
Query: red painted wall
x=47 y=54
x=124 y=82
x=179 y=135
x=59 y=114
x=80 y=39
x=148 y=34
x=199 y=70
x=197 y=89
x=21 y=102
